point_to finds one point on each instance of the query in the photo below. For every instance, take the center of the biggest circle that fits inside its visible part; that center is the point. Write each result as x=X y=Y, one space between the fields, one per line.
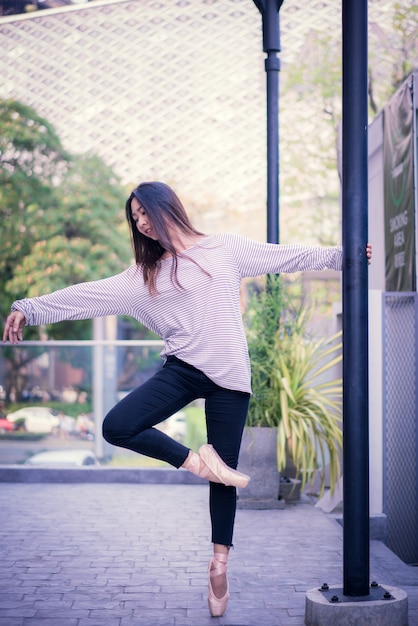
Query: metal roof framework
x=175 y=90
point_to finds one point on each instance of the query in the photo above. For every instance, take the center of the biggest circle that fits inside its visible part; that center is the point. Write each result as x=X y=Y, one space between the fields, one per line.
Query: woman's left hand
x=369 y=252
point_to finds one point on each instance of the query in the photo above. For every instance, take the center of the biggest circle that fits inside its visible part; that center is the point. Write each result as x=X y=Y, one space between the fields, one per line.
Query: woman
x=185 y=286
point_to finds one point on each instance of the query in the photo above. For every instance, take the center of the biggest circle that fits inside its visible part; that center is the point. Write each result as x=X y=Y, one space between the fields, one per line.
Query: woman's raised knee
x=112 y=428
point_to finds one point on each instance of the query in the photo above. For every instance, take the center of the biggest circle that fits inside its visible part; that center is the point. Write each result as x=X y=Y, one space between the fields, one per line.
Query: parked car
x=35 y=419
x=6 y=425
x=63 y=458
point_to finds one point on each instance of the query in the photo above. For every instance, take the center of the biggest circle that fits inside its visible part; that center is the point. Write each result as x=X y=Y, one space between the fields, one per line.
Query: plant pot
x=258 y=459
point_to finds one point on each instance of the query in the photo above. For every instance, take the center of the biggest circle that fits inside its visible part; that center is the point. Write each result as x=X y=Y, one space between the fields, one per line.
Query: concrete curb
x=160 y=476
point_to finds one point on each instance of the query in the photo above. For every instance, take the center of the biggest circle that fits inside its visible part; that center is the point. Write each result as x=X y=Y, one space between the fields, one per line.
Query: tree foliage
x=311 y=114
x=80 y=239
x=62 y=217
x=31 y=156
x=394 y=55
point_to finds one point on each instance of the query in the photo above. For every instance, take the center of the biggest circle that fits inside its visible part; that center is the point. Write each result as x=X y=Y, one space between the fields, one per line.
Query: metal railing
x=98 y=372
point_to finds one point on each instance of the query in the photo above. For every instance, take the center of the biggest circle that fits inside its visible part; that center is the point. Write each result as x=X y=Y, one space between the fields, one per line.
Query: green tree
x=31 y=158
x=311 y=115
x=62 y=223
x=62 y=217
x=81 y=237
x=394 y=55
x=310 y=120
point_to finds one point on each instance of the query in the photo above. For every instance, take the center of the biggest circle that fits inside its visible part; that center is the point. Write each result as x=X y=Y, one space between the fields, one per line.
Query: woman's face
x=141 y=219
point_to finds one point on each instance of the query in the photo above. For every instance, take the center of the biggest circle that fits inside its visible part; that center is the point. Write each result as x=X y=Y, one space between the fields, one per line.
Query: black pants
x=130 y=425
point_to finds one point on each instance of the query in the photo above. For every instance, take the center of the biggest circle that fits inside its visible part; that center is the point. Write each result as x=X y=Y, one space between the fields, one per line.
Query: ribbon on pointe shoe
x=217 y=566
x=223 y=473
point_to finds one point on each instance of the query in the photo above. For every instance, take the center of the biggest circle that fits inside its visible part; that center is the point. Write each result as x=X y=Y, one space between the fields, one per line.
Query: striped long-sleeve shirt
x=201 y=321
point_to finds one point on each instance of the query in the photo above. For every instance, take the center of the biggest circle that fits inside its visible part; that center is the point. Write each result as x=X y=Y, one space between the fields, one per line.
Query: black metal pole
x=269 y=10
x=355 y=300
x=272 y=65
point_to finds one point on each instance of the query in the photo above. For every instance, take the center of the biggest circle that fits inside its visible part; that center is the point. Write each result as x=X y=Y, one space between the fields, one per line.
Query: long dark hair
x=162 y=207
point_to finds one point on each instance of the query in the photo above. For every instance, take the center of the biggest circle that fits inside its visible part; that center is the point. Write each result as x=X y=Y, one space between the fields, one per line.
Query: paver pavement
x=136 y=555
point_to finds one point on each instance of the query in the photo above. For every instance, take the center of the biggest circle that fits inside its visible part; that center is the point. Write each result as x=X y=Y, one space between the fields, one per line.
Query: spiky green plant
x=291 y=386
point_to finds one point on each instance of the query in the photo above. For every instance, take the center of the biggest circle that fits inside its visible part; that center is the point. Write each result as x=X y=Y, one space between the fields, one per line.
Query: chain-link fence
x=400 y=364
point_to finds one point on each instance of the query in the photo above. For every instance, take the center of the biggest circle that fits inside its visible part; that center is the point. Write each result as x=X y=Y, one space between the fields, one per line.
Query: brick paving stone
x=18 y=611
x=136 y=555
x=102 y=621
x=11 y=600
x=61 y=613
x=50 y=622
x=146 y=618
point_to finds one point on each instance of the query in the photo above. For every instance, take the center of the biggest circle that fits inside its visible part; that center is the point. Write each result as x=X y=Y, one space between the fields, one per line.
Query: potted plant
x=294 y=404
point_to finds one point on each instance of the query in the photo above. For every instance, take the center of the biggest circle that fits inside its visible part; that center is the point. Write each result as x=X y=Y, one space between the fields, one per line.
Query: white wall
x=376 y=288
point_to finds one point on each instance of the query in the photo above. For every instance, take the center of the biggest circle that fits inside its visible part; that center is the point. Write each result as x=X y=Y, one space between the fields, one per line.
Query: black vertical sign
x=399 y=191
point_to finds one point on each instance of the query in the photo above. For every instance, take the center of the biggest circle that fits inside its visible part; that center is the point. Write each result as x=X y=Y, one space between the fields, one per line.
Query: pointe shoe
x=196 y=466
x=220 y=470
x=217 y=565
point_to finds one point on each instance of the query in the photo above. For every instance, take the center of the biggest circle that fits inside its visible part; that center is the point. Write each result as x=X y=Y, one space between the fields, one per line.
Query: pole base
x=386 y=606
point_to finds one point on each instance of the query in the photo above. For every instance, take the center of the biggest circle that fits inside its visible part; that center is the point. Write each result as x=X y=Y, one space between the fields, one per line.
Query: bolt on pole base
x=328 y=606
